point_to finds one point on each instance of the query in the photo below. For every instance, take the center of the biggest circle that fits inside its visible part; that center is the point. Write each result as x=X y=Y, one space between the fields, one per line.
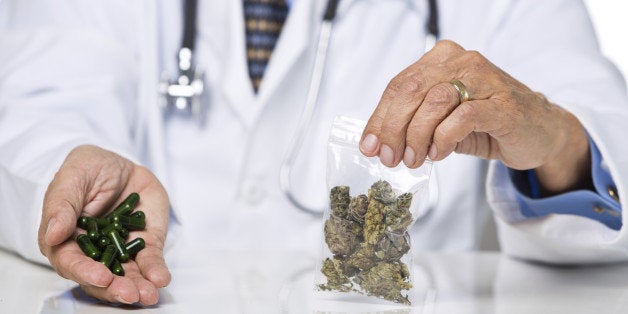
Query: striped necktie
x=264 y=19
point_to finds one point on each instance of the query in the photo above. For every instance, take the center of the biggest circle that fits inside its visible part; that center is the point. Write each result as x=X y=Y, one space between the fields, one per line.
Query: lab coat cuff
x=600 y=204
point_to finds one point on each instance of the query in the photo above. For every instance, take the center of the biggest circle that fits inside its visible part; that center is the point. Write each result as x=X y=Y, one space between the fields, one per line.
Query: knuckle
x=441 y=93
x=476 y=60
x=393 y=86
x=409 y=86
x=448 y=45
x=404 y=86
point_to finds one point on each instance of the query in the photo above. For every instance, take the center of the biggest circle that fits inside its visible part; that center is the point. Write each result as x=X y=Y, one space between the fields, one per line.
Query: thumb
x=59 y=227
x=62 y=205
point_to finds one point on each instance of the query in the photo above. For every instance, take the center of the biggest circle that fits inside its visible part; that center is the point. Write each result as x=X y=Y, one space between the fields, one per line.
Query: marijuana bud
x=399 y=217
x=358 y=207
x=393 y=246
x=336 y=279
x=342 y=235
x=339 y=200
x=367 y=237
x=363 y=258
x=386 y=280
x=374 y=223
x=382 y=191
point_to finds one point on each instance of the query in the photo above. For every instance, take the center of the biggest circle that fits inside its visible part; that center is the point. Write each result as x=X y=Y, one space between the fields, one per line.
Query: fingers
x=63 y=203
x=401 y=90
x=153 y=266
x=407 y=94
x=128 y=289
x=385 y=132
x=406 y=124
x=155 y=203
x=439 y=102
x=481 y=118
x=71 y=263
x=121 y=290
x=98 y=281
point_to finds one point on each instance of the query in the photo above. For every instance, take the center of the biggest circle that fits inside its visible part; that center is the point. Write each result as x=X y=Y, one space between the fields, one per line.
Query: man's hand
x=91 y=182
x=420 y=115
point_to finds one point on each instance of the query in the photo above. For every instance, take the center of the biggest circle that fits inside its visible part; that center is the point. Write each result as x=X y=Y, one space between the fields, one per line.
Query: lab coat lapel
x=297 y=34
x=295 y=37
x=236 y=83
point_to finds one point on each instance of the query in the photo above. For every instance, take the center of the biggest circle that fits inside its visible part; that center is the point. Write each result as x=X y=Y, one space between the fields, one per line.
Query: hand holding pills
x=106 y=237
x=90 y=183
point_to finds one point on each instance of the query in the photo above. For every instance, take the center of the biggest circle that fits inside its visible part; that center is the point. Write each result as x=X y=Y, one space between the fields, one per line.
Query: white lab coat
x=77 y=72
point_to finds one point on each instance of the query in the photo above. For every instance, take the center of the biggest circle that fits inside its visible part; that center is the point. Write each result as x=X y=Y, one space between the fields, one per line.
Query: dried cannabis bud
x=367 y=236
x=342 y=236
x=386 y=280
x=392 y=246
x=363 y=258
x=357 y=208
x=399 y=217
x=336 y=279
x=339 y=199
x=382 y=191
x=374 y=223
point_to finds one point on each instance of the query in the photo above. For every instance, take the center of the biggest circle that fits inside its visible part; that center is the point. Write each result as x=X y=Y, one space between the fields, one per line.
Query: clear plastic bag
x=366 y=245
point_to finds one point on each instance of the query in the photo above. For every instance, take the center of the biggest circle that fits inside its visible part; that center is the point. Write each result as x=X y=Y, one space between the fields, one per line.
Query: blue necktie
x=264 y=20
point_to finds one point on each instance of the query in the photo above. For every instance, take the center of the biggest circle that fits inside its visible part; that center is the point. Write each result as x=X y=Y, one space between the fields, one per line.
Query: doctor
x=81 y=127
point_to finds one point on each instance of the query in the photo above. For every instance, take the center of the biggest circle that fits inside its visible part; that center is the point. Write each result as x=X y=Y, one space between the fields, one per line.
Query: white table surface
x=282 y=282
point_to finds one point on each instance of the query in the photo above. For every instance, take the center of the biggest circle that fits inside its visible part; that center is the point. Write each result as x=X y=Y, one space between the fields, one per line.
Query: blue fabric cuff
x=599 y=204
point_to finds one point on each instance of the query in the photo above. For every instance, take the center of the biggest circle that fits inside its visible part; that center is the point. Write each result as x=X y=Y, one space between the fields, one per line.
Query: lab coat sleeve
x=606 y=209
x=551 y=47
x=64 y=81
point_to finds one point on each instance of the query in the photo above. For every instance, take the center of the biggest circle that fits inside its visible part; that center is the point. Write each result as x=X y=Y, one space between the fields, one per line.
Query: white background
x=610 y=18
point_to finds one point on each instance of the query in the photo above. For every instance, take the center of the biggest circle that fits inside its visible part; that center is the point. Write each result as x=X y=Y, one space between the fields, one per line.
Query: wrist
x=570 y=168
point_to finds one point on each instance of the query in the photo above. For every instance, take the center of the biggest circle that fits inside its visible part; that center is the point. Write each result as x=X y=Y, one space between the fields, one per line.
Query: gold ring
x=463 y=95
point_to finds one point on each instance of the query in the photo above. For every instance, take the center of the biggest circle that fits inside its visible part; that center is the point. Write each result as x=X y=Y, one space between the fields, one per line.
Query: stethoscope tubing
x=306 y=118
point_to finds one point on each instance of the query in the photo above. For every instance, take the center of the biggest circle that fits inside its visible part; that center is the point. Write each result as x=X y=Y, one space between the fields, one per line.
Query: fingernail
x=433 y=153
x=51 y=224
x=121 y=300
x=369 y=144
x=409 y=157
x=386 y=155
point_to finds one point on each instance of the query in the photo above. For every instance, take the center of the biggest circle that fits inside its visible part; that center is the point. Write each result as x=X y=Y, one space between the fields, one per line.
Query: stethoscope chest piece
x=182 y=96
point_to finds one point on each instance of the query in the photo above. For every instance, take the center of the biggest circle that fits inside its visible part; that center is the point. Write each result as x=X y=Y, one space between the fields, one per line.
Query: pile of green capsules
x=105 y=240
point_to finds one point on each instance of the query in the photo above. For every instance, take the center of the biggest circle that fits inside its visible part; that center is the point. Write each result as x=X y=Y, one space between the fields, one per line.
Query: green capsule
x=103 y=241
x=116 y=224
x=88 y=247
x=117 y=241
x=139 y=214
x=126 y=207
x=102 y=222
x=116 y=268
x=92 y=229
x=82 y=222
x=108 y=255
x=131 y=223
x=124 y=233
x=135 y=246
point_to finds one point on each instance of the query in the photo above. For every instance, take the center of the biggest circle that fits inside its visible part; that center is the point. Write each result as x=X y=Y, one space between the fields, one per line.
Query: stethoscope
x=183 y=95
